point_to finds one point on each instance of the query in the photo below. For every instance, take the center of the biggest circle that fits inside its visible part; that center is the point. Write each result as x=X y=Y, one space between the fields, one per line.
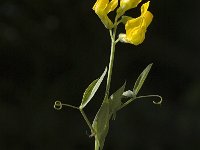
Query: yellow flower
x=126 y=5
x=102 y=8
x=136 y=27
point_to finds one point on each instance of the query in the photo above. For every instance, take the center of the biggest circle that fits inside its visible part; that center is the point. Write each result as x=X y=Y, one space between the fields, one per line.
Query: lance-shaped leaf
x=91 y=90
x=115 y=101
x=101 y=124
x=139 y=82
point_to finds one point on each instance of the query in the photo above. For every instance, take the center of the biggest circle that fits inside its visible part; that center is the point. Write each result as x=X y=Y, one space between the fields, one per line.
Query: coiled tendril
x=58 y=105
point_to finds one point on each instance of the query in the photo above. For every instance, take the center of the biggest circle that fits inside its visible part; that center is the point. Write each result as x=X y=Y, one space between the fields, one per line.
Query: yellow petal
x=137 y=37
x=136 y=27
x=133 y=23
x=100 y=5
x=102 y=8
x=148 y=17
x=135 y=32
x=111 y=6
x=144 y=7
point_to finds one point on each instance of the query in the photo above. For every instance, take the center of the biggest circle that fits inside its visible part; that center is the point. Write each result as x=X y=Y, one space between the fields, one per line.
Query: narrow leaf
x=115 y=101
x=91 y=90
x=101 y=124
x=141 y=79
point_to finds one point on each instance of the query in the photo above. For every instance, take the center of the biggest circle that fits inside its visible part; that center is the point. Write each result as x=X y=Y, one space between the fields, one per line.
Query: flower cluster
x=135 y=27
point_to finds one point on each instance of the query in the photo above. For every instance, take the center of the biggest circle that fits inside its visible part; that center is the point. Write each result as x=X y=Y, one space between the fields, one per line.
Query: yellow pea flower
x=137 y=27
x=102 y=8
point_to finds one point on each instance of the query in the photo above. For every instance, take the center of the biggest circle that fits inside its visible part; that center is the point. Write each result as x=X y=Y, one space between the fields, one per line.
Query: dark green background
x=52 y=49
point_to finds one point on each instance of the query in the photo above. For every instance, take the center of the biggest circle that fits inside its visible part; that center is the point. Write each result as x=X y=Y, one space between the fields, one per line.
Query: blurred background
x=53 y=49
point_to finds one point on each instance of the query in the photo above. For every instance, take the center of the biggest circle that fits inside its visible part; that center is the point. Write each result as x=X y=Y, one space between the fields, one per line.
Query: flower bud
x=102 y=8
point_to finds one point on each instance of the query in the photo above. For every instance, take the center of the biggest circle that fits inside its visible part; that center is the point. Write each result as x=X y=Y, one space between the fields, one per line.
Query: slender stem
x=96 y=146
x=112 y=56
x=117 y=40
x=110 y=69
x=87 y=121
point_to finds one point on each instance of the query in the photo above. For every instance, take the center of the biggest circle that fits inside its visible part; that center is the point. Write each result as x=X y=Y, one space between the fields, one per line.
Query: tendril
x=147 y=96
x=58 y=105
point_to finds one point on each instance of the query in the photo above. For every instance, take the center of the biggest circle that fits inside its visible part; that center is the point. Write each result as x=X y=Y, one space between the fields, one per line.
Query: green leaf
x=115 y=101
x=141 y=79
x=101 y=124
x=91 y=90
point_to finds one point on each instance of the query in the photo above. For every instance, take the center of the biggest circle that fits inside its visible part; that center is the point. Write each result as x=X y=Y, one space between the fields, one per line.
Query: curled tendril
x=159 y=102
x=57 y=105
x=147 y=96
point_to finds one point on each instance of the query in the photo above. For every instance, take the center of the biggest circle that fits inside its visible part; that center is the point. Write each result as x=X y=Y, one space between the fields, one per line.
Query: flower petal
x=102 y=8
x=136 y=27
x=111 y=6
x=135 y=32
x=100 y=5
x=148 y=17
x=144 y=8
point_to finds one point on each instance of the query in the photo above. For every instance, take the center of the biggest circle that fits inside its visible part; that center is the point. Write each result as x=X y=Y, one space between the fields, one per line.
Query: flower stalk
x=112 y=57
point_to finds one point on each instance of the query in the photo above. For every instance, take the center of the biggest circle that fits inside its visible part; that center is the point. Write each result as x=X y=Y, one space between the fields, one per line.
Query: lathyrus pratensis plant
x=135 y=34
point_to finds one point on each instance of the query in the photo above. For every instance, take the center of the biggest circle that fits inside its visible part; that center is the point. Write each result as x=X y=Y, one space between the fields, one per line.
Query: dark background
x=52 y=49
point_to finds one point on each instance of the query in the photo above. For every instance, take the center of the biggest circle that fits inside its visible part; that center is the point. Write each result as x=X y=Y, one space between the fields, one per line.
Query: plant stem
x=96 y=147
x=112 y=56
x=87 y=121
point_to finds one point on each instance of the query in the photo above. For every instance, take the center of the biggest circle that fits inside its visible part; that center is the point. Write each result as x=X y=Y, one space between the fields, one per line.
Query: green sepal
x=115 y=101
x=140 y=80
x=101 y=124
x=125 y=19
x=91 y=90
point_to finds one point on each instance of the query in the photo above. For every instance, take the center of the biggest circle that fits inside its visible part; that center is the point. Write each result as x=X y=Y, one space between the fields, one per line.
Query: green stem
x=87 y=121
x=96 y=147
x=112 y=56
